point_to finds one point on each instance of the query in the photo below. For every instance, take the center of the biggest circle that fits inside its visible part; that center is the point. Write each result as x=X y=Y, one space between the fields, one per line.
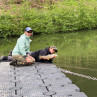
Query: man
x=44 y=52
x=48 y=50
x=20 y=52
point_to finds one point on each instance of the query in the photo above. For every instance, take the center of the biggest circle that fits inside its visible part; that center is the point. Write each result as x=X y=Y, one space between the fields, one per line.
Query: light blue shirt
x=22 y=45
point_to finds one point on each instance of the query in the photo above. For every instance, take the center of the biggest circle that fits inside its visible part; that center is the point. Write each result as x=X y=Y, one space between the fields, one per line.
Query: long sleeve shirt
x=22 y=45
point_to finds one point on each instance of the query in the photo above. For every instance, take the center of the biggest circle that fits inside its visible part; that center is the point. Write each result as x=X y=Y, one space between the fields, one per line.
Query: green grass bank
x=59 y=17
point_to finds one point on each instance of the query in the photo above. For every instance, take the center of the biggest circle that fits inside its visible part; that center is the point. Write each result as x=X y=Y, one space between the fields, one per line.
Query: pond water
x=77 y=52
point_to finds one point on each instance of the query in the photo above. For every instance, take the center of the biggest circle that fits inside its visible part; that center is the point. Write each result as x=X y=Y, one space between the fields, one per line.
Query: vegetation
x=47 y=16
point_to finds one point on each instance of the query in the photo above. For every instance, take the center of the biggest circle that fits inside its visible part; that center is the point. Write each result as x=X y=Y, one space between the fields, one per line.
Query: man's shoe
x=10 y=53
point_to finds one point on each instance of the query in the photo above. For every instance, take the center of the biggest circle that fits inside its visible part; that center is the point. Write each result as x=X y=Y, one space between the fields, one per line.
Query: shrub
x=64 y=16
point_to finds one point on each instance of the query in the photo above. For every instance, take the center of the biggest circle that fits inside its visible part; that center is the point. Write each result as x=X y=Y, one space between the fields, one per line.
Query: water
x=77 y=52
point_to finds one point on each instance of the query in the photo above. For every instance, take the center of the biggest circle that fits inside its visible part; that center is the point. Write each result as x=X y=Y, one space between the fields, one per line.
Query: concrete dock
x=38 y=80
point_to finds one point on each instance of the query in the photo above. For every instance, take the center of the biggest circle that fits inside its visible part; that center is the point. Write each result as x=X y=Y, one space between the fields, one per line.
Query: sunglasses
x=30 y=31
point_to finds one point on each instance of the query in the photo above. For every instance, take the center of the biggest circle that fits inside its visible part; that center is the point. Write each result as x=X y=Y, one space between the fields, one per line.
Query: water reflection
x=77 y=53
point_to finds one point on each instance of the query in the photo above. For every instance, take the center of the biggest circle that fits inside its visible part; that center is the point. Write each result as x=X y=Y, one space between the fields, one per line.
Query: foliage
x=64 y=16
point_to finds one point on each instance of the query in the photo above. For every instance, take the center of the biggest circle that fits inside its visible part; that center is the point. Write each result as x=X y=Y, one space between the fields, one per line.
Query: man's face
x=52 y=50
x=29 y=33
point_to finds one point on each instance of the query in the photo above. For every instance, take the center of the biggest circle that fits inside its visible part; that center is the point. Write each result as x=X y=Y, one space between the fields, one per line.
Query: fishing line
x=81 y=68
x=81 y=75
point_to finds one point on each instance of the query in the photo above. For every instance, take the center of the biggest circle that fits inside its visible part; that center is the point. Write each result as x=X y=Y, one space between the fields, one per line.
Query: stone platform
x=38 y=80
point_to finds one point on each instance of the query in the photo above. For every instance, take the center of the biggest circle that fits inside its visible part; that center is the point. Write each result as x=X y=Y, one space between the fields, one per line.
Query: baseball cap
x=54 y=48
x=28 y=29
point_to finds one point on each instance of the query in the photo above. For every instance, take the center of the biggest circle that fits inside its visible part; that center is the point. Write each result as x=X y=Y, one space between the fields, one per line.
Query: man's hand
x=29 y=59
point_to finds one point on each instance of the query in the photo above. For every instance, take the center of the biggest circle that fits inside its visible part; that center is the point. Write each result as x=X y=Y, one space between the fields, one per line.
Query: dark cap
x=28 y=29
x=54 y=48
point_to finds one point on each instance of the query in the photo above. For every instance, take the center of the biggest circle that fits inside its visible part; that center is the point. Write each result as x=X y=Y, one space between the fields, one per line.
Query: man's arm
x=21 y=46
